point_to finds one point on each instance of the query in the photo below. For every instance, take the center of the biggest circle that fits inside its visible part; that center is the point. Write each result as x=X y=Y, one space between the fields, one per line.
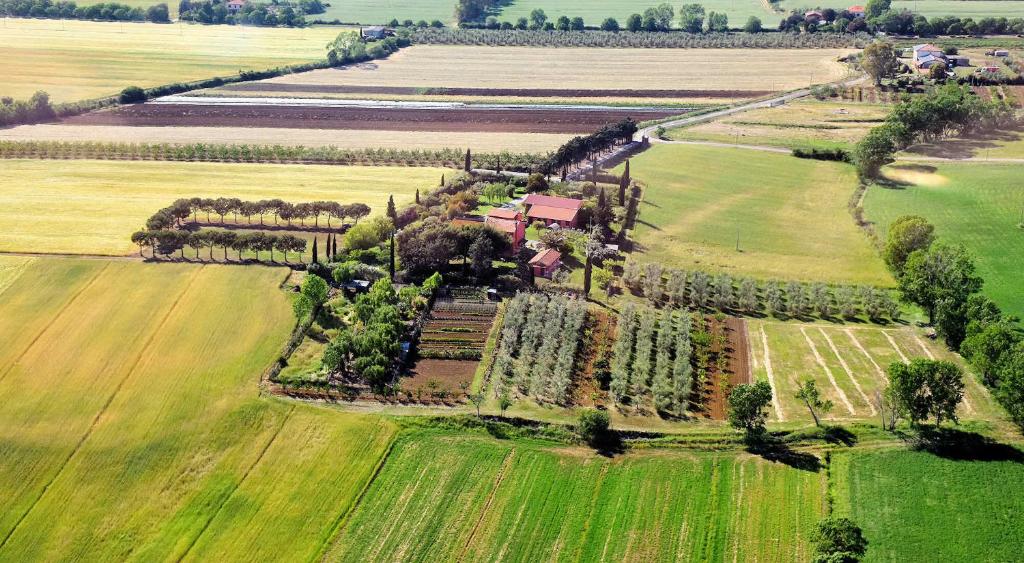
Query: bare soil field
x=487 y=92
x=502 y=68
x=375 y=119
x=448 y=375
x=341 y=138
x=737 y=371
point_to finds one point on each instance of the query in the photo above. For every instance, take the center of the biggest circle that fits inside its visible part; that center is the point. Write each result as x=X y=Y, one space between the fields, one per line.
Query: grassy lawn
x=993 y=144
x=594 y=12
x=803 y=124
x=92 y=207
x=915 y=506
x=383 y=11
x=979 y=205
x=76 y=60
x=848 y=365
x=147 y=439
x=515 y=500
x=790 y=215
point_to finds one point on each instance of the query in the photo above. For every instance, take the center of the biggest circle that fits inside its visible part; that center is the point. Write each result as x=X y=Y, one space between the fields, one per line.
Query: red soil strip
x=449 y=374
x=490 y=92
x=387 y=119
x=738 y=369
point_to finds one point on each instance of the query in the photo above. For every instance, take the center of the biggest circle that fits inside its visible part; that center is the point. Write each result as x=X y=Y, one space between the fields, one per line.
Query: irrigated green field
x=77 y=60
x=980 y=205
x=919 y=507
x=790 y=215
x=449 y=497
x=92 y=207
x=131 y=427
x=848 y=365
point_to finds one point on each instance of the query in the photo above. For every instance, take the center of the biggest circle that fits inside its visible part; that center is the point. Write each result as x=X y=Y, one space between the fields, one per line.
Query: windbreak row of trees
x=580 y=149
x=69 y=10
x=205 y=152
x=279 y=210
x=168 y=241
x=945 y=111
x=651 y=356
x=290 y=14
x=640 y=39
x=537 y=350
x=33 y=110
x=723 y=292
x=348 y=47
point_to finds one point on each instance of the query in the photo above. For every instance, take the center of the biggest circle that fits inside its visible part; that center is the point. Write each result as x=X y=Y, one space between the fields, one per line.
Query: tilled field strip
x=490 y=92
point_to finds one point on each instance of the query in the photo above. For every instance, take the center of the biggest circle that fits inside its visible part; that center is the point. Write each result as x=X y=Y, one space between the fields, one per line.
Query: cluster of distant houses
x=817 y=16
x=550 y=211
x=926 y=56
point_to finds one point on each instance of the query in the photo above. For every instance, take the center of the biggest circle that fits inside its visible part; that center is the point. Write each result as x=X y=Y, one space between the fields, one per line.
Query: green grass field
x=77 y=60
x=848 y=365
x=146 y=439
x=789 y=214
x=918 y=507
x=92 y=207
x=594 y=12
x=929 y=8
x=517 y=501
x=979 y=205
x=382 y=11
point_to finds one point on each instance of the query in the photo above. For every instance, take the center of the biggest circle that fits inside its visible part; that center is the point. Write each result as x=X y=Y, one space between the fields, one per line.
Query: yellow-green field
x=790 y=215
x=77 y=60
x=847 y=363
x=803 y=124
x=92 y=207
x=341 y=138
x=131 y=426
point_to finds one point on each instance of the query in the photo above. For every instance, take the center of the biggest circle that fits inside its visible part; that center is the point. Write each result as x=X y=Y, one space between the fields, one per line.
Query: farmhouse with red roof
x=561 y=211
x=546 y=262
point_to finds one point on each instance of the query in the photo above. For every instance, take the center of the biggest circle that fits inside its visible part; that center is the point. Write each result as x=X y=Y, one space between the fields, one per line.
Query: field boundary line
x=892 y=343
x=847 y=369
x=487 y=505
x=103 y=409
x=870 y=358
x=53 y=320
x=259 y=458
x=344 y=517
x=776 y=403
x=828 y=372
x=924 y=348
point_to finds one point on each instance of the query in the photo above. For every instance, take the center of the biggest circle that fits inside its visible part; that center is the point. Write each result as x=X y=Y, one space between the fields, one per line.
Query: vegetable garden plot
x=451 y=345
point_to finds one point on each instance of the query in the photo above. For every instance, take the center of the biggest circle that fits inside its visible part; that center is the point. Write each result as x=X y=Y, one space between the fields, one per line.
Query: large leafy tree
x=838 y=540
x=906 y=234
x=927 y=389
x=879 y=60
x=747 y=404
x=940 y=274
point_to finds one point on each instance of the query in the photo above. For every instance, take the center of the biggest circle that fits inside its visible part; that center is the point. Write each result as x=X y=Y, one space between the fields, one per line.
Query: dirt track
x=489 y=92
x=387 y=119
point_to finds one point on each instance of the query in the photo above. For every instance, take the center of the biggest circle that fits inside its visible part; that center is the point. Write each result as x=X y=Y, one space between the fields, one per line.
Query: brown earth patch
x=737 y=368
x=446 y=374
x=388 y=119
x=489 y=92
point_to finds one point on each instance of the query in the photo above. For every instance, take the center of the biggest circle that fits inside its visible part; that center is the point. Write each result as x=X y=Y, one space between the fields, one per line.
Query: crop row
x=652 y=355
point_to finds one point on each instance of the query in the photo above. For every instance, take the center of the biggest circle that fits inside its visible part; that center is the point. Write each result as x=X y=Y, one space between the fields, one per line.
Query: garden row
x=456 y=330
x=204 y=152
x=703 y=291
x=538 y=345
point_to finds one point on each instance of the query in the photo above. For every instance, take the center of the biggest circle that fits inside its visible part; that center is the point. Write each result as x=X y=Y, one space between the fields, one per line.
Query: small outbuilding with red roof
x=546 y=262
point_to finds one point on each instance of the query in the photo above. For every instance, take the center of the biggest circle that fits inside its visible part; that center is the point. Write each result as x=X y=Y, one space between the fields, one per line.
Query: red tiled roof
x=464 y=222
x=551 y=201
x=855 y=9
x=502 y=213
x=503 y=225
x=552 y=213
x=547 y=258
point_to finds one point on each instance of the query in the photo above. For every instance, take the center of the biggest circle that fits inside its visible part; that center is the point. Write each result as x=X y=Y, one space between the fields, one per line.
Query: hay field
x=516 y=501
x=423 y=66
x=848 y=364
x=92 y=207
x=789 y=214
x=979 y=205
x=77 y=60
x=594 y=12
x=918 y=507
x=147 y=439
x=803 y=124
x=342 y=138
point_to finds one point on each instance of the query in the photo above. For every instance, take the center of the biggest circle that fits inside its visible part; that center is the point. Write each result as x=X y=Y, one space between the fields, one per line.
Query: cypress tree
x=442 y=180
x=418 y=191
x=334 y=248
x=316 y=258
x=469 y=162
x=392 y=212
x=391 y=265
x=498 y=170
x=623 y=184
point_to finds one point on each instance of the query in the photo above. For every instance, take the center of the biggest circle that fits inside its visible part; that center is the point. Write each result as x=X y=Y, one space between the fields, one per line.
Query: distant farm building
x=375 y=32
x=856 y=10
x=233 y=6
x=546 y=262
x=813 y=16
x=927 y=55
x=561 y=211
x=514 y=228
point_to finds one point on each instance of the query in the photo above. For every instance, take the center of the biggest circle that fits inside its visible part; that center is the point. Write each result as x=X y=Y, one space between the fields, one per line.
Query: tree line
x=580 y=149
x=944 y=111
x=69 y=10
x=174 y=214
x=289 y=14
x=639 y=39
x=348 y=47
x=33 y=110
x=168 y=241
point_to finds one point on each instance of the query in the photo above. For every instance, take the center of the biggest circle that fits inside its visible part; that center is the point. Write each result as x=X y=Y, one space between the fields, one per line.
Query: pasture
x=916 y=506
x=93 y=207
x=594 y=12
x=803 y=124
x=341 y=138
x=789 y=215
x=429 y=66
x=848 y=364
x=979 y=205
x=520 y=501
x=77 y=60
x=931 y=8
x=147 y=439
x=369 y=12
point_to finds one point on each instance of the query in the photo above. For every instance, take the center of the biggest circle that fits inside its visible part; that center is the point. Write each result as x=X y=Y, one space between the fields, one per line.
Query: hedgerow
x=627 y=39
